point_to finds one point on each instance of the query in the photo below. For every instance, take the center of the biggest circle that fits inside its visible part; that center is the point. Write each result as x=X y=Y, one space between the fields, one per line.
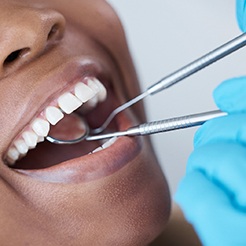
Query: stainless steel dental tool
x=165 y=83
x=150 y=128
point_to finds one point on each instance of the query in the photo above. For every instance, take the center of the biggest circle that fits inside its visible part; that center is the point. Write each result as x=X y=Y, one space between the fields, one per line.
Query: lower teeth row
x=106 y=145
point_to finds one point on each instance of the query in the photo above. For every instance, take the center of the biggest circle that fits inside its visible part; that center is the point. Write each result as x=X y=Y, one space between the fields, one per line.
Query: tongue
x=70 y=127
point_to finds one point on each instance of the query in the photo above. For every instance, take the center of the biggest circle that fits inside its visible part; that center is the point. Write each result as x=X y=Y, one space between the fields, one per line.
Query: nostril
x=12 y=57
x=15 y=55
x=53 y=31
x=56 y=32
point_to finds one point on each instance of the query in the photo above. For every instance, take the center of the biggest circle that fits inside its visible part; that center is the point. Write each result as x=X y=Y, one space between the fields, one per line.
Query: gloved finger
x=225 y=164
x=241 y=14
x=209 y=209
x=227 y=128
x=230 y=95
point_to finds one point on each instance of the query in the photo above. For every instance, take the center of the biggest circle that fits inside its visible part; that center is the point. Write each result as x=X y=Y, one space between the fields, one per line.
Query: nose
x=26 y=34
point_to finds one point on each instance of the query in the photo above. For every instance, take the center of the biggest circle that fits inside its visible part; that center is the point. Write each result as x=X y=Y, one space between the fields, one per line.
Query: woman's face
x=57 y=56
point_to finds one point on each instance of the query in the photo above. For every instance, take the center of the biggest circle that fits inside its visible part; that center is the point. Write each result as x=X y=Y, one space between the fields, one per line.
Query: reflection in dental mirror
x=71 y=127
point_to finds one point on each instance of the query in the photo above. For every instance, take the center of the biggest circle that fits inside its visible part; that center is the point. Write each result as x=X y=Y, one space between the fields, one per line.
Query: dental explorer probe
x=179 y=75
x=151 y=127
x=163 y=125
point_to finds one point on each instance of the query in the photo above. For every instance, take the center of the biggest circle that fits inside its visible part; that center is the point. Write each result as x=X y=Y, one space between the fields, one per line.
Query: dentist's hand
x=212 y=195
x=241 y=14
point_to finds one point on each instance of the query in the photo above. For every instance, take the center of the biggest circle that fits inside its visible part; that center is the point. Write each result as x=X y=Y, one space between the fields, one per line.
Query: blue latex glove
x=212 y=194
x=241 y=15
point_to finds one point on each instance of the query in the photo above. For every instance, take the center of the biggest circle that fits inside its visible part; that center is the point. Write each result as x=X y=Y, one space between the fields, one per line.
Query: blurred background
x=164 y=35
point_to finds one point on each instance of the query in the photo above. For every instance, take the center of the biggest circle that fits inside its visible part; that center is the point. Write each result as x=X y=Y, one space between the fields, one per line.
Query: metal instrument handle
x=174 y=123
x=198 y=64
x=162 y=125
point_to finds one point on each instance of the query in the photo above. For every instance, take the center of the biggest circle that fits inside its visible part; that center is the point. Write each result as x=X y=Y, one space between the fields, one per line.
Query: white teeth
x=68 y=102
x=93 y=85
x=99 y=88
x=13 y=154
x=102 y=94
x=30 y=138
x=53 y=115
x=106 y=145
x=92 y=102
x=40 y=139
x=90 y=91
x=41 y=127
x=109 y=142
x=97 y=150
x=83 y=92
x=10 y=161
x=21 y=146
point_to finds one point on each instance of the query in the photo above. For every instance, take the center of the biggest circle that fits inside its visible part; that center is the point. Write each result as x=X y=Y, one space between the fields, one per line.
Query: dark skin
x=115 y=197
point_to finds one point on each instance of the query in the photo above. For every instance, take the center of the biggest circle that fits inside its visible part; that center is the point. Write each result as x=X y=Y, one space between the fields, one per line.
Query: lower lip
x=94 y=166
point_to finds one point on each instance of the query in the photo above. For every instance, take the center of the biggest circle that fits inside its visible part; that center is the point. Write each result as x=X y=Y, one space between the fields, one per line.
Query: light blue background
x=163 y=36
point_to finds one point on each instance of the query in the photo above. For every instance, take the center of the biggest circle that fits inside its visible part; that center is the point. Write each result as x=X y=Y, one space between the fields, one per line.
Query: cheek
x=10 y=102
x=96 y=18
x=16 y=97
x=132 y=204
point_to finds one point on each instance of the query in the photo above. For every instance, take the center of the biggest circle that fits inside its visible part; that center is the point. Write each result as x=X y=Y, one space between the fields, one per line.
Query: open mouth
x=81 y=89
x=89 y=99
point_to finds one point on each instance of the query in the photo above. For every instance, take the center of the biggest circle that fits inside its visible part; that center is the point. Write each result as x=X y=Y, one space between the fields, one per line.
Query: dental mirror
x=148 y=128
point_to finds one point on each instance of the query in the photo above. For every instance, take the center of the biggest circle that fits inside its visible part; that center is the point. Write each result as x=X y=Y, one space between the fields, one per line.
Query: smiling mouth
x=82 y=88
x=87 y=98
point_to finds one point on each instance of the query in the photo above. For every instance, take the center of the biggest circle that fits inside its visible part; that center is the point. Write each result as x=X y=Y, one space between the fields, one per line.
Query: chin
x=95 y=192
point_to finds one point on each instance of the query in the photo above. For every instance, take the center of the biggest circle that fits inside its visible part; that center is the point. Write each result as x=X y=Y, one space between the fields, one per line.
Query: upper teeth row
x=90 y=90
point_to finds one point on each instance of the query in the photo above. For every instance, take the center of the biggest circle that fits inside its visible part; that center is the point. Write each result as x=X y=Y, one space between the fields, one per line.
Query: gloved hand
x=241 y=14
x=212 y=194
